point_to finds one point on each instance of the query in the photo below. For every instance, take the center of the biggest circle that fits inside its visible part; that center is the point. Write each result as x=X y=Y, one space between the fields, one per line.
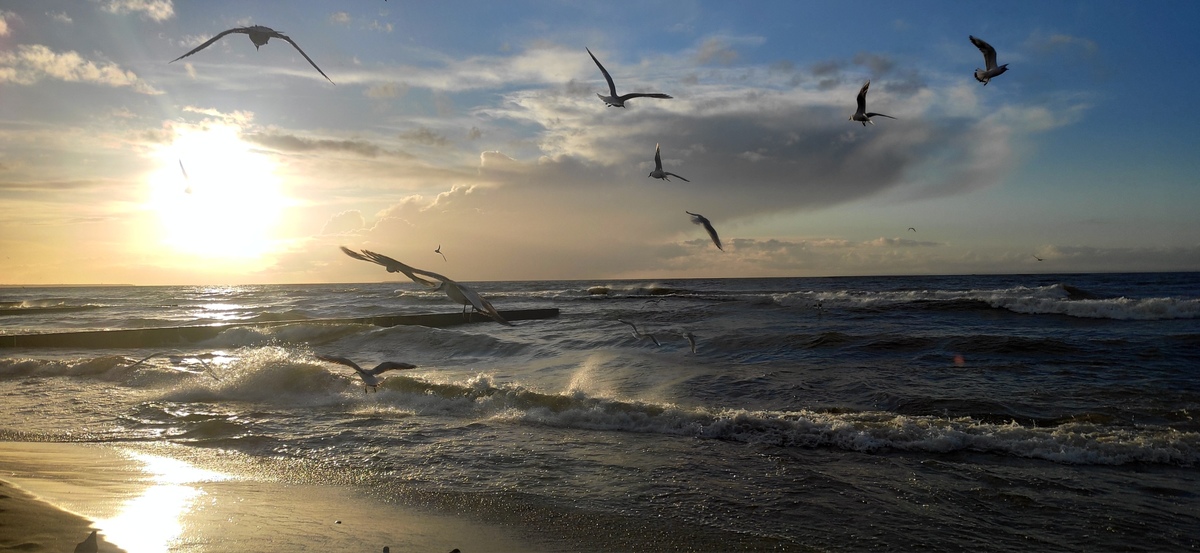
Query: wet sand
x=145 y=500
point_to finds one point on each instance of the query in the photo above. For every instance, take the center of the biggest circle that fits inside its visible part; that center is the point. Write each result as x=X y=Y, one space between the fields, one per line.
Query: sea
x=1048 y=412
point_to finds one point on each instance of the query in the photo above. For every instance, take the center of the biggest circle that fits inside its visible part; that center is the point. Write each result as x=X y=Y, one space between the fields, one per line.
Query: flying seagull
x=439 y=252
x=639 y=335
x=1036 y=257
x=712 y=232
x=619 y=101
x=459 y=293
x=259 y=35
x=691 y=338
x=178 y=357
x=989 y=62
x=658 y=172
x=861 y=115
x=370 y=378
x=912 y=229
x=187 y=190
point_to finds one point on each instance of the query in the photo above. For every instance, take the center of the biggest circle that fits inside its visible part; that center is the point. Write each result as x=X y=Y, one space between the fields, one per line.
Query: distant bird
x=259 y=35
x=1036 y=257
x=990 y=70
x=639 y=335
x=619 y=101
x=88 y=545
x=861 y=115
x=691 y=338
x=370 y=378
x=712 y=232
x=439 y=252
x=912 y=229
x=658 y=172
x=457 y=292
x=187 y=190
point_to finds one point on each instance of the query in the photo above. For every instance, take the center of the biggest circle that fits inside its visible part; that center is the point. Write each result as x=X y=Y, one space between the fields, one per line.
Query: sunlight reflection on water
x=153 y=520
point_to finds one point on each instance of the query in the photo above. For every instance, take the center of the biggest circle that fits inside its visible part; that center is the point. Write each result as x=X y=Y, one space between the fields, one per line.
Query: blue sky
x=475 y=126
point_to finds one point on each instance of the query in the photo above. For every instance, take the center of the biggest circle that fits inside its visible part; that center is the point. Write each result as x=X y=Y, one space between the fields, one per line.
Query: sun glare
x=214 y=197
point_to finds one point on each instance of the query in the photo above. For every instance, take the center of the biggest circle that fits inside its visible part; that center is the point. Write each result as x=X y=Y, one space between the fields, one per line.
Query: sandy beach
x=54 y=494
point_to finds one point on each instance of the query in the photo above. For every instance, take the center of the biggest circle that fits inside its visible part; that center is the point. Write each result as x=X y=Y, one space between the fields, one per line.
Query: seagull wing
x=862 y=99
x=879 y=115
x=389 y=366
x=244 y=30
x=712 y=232
x=297 y=47
x=343 y=361
x=657 y=159
x=388 y=263
x=612 y=88
x=185 y=175
x=989 y=53
x=635 y=330
x=477 y=301
x=624 y=97
x=677 y=176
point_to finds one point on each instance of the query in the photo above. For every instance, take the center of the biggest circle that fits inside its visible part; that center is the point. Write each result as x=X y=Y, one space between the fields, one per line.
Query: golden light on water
x=226 y=206
x=152 y=521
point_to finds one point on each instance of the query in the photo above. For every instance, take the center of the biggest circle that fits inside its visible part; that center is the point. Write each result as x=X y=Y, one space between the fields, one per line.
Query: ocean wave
x=1054 y=299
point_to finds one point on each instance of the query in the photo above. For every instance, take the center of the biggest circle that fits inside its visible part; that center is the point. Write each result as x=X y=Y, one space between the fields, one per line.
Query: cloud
x=386 y=90
x=158 y=10
x=32 y=63
x=293 y=143
x=424 y=137
x=345 y=222
x=341 y=18
x=5 y=16
x=716 y=50
x=381 y=27
x=60 y=17
x=1058 y=43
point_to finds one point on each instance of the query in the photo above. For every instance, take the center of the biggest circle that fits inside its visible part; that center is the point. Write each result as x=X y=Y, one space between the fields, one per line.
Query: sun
x=215 y=197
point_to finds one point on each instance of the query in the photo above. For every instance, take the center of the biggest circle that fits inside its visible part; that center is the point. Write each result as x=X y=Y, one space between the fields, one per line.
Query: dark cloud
x=424 y=137
x=293 y=143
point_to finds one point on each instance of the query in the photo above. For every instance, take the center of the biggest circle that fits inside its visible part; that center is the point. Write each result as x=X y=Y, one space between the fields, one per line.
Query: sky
x=476 y=127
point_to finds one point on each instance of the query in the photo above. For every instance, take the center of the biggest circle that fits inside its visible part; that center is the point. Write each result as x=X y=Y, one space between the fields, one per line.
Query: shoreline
x=139 y=501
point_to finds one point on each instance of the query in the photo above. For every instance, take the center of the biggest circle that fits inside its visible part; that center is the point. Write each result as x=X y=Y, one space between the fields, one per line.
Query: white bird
x=457 y=292
x=178 y=357
x=861 y=115
x=991 y=70
x=619 y=101
x=658 y=172
x=712 y=232
x=259 y=35
x=639 y=335
x=691 y=338
x=439 y=252
x=370 y=378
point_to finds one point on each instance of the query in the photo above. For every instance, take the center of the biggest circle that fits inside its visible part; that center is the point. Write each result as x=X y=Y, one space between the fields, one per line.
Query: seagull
x=259 y=35
x=187 y=190
x=691 y=338
x=639 y=335
x=370 y=378
x=456 y=292
x=989 y=62
x=1036 y=257
x=88 y=545
x=439 y=252
x=658 y=172
x=178 y=357
x=712 y=232
x=619 y=101
x=912 y=229
x=861 y=114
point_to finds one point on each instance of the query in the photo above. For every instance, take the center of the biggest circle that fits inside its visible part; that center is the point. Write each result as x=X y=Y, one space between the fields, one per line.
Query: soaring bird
x=187 y=190
x=639 y=335
x=457 y=292
x=1037 y=258
x=712 y=232
x=619 y=101
x=990 y=70
x=658 y=172
x=439 y=252
x=861 y=115
x=912 y=229
x=259 y=35
x=370 y=378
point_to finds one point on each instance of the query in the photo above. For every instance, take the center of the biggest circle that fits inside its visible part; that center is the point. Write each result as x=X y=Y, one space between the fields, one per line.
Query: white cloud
x=32 y=63
x=158 y=10
x=60 y=17
x=4 y=17
x=340 y=18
